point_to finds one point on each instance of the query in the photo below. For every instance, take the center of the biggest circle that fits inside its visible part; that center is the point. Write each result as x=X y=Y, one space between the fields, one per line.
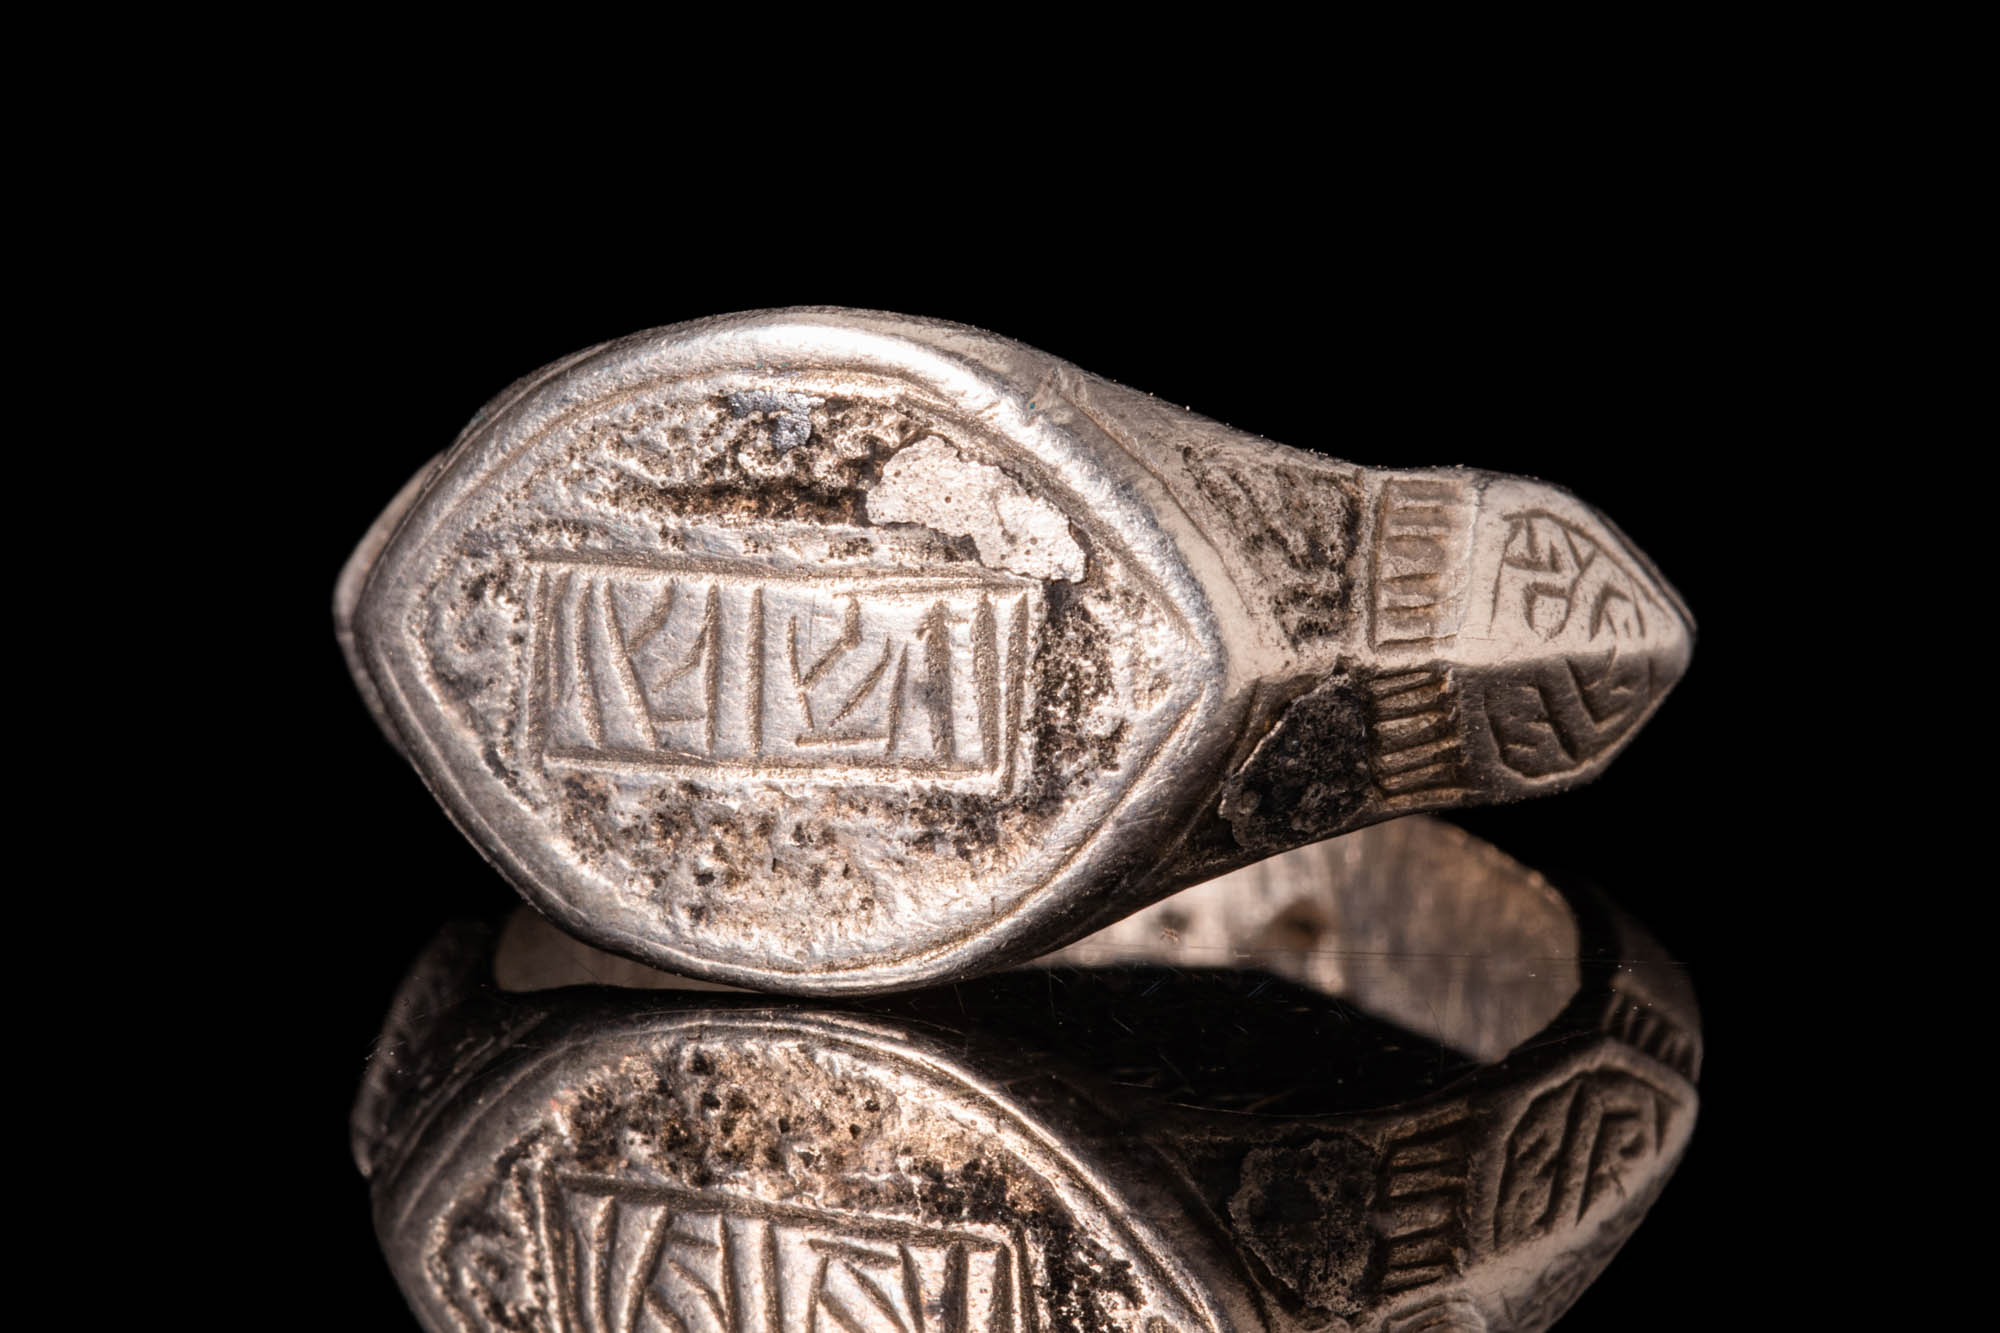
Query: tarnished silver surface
x=1147 y=1146
x=824 y=651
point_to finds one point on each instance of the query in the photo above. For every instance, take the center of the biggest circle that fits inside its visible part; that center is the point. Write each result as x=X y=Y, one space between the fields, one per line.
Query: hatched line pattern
x=1642 y=1027
x=1420 y=1203
x=1415 y=754
x=1422 y=527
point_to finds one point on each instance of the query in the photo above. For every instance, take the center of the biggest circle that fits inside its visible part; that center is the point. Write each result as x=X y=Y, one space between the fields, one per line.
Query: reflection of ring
x=1145 y=1147
x=826 y=651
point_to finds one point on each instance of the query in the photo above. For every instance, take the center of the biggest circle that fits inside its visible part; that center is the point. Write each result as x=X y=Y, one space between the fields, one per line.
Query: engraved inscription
x=1422 y=528
x=1554 y=576
x=694 y=665
x=1554 y=717
x=1560 y=585
x=636 y=1259
x=1584 y=1142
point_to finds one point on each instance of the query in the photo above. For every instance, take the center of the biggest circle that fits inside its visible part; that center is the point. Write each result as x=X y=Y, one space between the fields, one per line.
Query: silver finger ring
x=827 y=651
x=1447 y=1119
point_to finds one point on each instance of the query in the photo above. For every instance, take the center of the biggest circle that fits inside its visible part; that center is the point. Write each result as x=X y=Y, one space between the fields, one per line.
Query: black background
x=1609 y=350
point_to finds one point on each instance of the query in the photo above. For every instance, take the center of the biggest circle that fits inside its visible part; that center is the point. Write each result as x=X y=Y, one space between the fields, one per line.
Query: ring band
x=1148 y=1146
x=826 y=652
